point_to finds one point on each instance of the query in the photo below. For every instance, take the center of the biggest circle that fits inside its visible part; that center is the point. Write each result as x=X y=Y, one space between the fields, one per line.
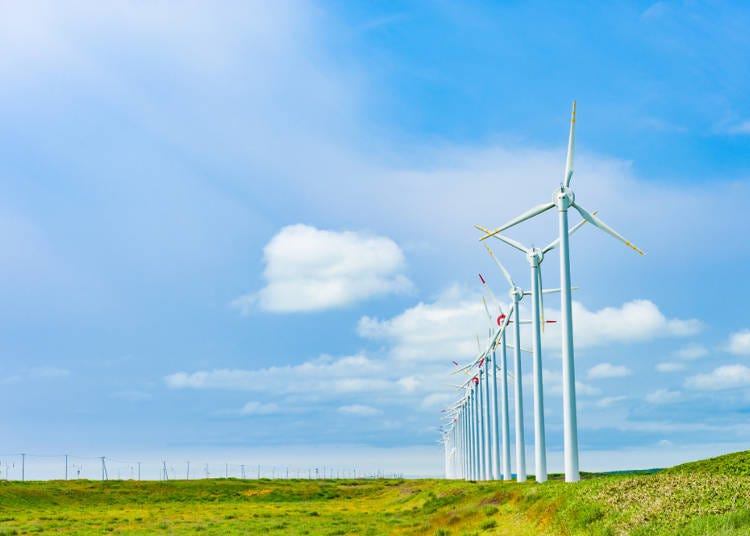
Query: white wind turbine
x=516 y=294
x=497 y=338
x=503 y=428
x=563 y=199
x=535 y=256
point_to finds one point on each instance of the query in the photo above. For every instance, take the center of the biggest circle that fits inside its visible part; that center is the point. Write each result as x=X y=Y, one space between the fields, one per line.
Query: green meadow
x=706 y=497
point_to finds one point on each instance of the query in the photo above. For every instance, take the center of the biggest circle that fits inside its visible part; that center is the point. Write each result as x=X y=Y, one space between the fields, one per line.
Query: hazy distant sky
x=248 y=225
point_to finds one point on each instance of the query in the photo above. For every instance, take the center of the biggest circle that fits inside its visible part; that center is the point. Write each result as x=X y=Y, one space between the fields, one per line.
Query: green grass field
x=707 y=497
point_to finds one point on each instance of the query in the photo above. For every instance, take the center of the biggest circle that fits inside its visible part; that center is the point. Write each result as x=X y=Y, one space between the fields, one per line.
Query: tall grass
x=709 y=497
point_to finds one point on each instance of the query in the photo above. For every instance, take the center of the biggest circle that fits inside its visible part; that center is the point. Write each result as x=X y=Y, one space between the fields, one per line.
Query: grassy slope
x=708 y=497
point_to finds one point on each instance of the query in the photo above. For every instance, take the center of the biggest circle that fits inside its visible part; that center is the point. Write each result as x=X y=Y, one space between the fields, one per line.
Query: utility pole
x=258 y=472
x=66 y=467
x=104 y=470
x=139 y=470
x=187 y=475
x=164 y=470
x=242 y=471
x=23 y=466
x=226 y=470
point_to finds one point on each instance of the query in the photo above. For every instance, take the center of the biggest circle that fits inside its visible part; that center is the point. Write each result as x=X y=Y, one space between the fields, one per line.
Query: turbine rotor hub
x=535 y=256
x=516 y=293
x=563 y=197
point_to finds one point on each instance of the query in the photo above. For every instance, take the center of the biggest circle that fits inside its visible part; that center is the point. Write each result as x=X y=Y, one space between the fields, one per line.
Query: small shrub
x=442 y=532
x=490 y=510
x=489 y=524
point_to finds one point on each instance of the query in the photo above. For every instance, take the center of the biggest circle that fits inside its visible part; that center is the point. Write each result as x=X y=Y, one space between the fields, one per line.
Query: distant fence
x=27 y=466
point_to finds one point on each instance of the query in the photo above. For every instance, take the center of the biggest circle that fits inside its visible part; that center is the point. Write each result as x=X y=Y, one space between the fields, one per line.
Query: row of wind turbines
x=476 y=436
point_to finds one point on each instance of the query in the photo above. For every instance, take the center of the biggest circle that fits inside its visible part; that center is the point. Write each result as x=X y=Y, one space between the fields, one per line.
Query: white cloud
x=553 y=385
x=409 y=383
x=309 y=269
x=437 y=401
x=635 y=321
x=739 y=343
x=663 y=396
x=691 y=352
x=439 y=331
x=322 y=376
x=360 y=410
x=259 y=408
x=669 y=366
x=608 y=370
x=726 y=377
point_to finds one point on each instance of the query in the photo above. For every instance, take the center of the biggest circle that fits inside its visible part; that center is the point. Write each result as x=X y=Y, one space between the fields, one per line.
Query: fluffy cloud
x=320 y=376
x=663 y=396
x=691 y=352
x=438 y=331
x=635 y=321
x=739 y=343
x=553 y=385
x=608 y=370
x=360 y=410
x=309 y=269
x=726 y=377
x=445 y=328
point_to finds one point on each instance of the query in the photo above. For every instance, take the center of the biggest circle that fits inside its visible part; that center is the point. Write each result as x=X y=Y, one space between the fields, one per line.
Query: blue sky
x=247 y=227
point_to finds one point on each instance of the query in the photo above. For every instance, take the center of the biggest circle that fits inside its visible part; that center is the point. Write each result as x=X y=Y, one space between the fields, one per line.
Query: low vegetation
x=707 y=497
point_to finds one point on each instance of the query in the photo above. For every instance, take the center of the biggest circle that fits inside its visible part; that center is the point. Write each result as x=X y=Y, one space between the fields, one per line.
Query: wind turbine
x=516 y=294
x=563 y=199
x=501 y=430
x=535 y=256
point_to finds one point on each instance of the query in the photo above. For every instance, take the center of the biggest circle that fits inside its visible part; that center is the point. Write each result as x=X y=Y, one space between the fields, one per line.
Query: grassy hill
x=735 y=464
x=706 y=497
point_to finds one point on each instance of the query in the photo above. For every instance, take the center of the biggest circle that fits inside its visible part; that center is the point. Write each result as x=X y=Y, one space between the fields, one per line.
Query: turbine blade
x=489 y=290
x=554 y=290
x=523 y=217
x=571 y=148
x=552 y=245
x=502 y=268
x=486 y=310
x=524 y=350
x=514 y=243
x=594 y=220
